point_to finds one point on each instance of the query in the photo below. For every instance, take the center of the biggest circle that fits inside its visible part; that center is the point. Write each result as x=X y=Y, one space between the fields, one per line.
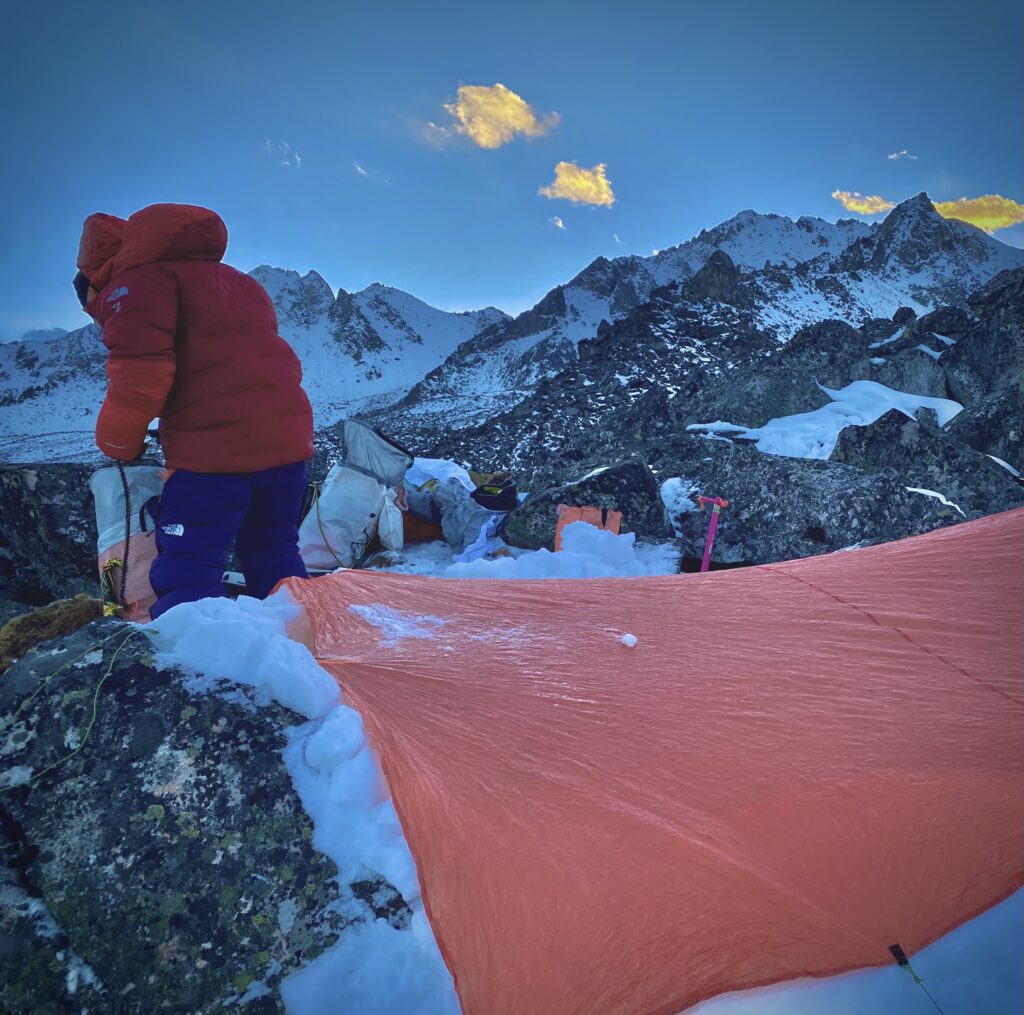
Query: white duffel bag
x=357 y=502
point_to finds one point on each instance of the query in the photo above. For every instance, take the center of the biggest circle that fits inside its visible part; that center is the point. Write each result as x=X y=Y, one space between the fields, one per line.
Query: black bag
x=497 y=496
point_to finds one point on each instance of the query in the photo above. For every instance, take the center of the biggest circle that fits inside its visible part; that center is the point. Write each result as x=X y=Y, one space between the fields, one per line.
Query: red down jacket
x=192 y=341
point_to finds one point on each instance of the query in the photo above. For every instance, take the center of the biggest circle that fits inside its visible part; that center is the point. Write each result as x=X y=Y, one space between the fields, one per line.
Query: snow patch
x=1006 y=465
x=937 y=496
x=814 y=434
x=395 y=625
x=677 y=495
x=587 y=552
x=975 y=968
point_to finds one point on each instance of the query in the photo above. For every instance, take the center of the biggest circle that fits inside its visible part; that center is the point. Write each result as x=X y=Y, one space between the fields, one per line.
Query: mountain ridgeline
x=673 y=322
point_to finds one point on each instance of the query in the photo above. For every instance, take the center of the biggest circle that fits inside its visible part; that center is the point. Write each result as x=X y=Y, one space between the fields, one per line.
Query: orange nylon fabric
x=796 y=766
x=601 y=519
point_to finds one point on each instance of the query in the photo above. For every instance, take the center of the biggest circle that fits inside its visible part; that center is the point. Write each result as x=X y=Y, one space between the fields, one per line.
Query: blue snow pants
x=203 y=514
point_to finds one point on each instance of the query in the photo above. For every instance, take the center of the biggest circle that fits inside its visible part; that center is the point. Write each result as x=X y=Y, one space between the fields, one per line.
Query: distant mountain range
x=423 y=371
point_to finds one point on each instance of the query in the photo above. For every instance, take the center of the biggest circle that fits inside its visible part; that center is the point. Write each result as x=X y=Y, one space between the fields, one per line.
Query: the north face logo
x=115 y=297
x=173 y=530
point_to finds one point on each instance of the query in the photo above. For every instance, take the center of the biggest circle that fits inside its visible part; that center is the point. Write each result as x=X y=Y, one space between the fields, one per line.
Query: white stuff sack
x=112 y=545
x=144 y=482
x=391 y=529
x=357 y=501
x=342 y=520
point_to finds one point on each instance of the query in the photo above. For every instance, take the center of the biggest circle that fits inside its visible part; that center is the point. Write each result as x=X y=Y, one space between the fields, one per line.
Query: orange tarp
x=797 y=765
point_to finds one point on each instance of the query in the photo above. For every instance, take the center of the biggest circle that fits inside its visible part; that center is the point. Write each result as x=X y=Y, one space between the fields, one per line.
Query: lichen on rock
x=168 y=848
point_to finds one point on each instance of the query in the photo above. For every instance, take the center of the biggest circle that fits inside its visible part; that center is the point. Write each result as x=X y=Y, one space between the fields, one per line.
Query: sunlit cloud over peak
x=492 y=116
x=990 y=212
x=862 y=204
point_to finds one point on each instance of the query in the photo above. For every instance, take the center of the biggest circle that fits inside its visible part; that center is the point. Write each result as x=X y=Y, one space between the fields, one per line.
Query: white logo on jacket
x=115 y=297
x=173 y=530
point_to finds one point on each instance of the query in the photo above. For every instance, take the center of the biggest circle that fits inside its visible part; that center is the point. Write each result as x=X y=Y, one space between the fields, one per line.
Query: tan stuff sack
x=127 y=592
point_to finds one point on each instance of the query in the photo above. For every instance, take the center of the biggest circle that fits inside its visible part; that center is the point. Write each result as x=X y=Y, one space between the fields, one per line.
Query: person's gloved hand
x=146 y=451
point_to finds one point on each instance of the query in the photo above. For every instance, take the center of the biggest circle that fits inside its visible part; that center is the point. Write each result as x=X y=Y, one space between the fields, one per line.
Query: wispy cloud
x=862 y=204
x=282 y=153
x=360 y=170
x=557 y=222
x=492 y=116
x=579 y=185
x=896 y=156
x=615 y=237
x=990 y=212
x=433 y=133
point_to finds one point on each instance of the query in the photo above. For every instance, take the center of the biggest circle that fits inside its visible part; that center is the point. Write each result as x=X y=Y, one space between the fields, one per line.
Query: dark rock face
x=629 y=487
x=923 y=456
x=908 y=368
x=993 y=426
x=665 y=346
x=785 y=508
x=829 y=354
x=904 y=316
x=167 y=864
x=991 y=355
x=717 y=280
x=953 y=322
x=47 y=535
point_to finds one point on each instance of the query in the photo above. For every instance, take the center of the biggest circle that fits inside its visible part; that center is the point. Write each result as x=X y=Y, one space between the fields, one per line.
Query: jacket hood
x=160 y=232
x=102 y=236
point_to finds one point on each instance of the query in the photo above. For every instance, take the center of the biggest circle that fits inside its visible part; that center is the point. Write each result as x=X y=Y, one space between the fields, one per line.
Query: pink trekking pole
x=716 y=510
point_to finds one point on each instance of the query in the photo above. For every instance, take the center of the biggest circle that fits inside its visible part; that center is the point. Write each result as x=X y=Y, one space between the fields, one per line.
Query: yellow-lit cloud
x=493 y=116
x=582 y=186
x=862 y=204
x=990 y=212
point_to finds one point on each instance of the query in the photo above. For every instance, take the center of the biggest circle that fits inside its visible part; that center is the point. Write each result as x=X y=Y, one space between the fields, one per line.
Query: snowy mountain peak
x=934 y=259
x=279 y=280
x=44 y=335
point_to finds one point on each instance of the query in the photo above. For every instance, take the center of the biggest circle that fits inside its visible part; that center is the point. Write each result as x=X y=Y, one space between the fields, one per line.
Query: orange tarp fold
x=797 y=766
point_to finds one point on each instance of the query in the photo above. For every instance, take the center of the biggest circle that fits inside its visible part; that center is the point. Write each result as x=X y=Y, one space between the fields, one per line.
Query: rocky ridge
x=157 y=857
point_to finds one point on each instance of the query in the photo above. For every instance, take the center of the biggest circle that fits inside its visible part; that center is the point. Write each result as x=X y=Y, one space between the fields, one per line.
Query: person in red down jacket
x=194 y=342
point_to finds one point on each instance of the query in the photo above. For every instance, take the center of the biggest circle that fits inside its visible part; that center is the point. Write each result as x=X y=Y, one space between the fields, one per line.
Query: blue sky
x=697 y=110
